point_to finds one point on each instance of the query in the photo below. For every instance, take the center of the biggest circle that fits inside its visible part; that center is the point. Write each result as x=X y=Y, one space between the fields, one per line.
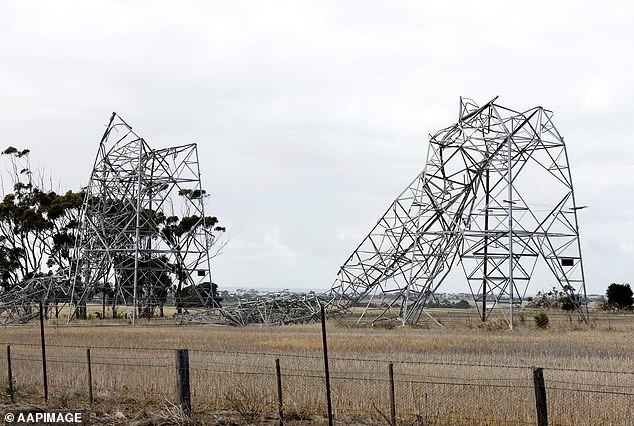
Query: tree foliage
x=461 y=304
x=191 y=296
x=38 y=227
x=557 y=298
x=620 y=296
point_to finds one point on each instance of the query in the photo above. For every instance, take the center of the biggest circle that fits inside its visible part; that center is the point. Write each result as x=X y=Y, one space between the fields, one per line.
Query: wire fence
x=246 y=382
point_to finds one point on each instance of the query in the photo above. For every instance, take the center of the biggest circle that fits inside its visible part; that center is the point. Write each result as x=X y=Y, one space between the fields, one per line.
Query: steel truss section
x=495 y=195
x=143 y=226
x=276 y=309
x=267 y=309
x=20 y=304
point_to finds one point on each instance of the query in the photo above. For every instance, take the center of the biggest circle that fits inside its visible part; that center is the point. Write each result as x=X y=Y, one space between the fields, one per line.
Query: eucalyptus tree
x=38 y=226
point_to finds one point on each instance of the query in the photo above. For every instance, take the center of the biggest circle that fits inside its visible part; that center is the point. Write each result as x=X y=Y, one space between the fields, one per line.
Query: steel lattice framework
x=276 y=309
x=20 y=304
x=267 y=309
x=143 y=224
x=495 y=195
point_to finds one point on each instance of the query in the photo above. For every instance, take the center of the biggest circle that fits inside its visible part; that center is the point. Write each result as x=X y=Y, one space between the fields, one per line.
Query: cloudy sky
x=311 y=116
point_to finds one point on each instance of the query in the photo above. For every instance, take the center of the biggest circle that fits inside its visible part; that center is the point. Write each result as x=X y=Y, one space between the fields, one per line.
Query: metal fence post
x=43 y=352
x=280 y=404
x=89 y=374
x=326 y=369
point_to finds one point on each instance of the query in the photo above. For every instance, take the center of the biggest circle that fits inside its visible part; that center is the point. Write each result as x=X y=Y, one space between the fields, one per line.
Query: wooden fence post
x=11 y=393
x=280 y=404
x=326 y=370
x=43 y=352
x=89 y=374
x=540 y=396
x=182 y=381
x=392 y=395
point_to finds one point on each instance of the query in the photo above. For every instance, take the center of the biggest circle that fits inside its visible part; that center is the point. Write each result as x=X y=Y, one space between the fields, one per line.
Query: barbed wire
x=338 y=375
x=63 y=361
x=565 y=382
x=591 y=391
x=352 y=376
x=318 y=357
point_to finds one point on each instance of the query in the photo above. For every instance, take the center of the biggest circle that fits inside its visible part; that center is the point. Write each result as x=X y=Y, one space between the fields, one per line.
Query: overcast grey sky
x=311 y=116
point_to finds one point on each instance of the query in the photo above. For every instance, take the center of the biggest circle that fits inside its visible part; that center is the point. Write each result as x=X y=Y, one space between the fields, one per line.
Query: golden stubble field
x=464 y=374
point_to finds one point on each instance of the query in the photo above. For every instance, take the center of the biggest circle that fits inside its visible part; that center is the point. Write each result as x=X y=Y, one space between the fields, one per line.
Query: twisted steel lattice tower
x=495 y=195
x=143 y=222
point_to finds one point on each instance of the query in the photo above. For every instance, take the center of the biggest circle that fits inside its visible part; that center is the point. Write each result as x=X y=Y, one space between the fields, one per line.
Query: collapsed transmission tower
x=144 y=232
x=495 y=195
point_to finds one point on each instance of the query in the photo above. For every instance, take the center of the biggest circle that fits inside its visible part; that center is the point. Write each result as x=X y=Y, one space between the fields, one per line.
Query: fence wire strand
x=115 y=364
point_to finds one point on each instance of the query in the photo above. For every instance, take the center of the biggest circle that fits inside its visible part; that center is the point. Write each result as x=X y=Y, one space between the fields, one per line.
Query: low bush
x=541 y=320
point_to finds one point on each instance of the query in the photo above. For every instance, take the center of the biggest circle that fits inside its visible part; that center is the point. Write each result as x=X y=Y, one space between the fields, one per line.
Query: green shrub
x=16 y=389
x=541 y=320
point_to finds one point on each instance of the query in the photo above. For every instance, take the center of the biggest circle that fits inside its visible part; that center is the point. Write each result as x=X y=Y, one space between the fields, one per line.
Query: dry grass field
x=463 y=374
